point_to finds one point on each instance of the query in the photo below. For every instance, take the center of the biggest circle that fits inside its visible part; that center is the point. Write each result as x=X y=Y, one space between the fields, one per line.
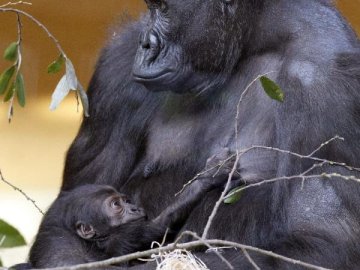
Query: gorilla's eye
x=116 y=204
x=228 y=1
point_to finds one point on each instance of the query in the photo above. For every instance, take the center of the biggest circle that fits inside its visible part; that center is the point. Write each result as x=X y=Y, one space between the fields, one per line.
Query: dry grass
x=179 y=260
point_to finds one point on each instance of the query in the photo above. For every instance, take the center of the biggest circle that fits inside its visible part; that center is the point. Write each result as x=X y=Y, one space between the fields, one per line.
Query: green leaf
x=5 y=79
x=272 y=89
x=56 y=66
x=11 y=52
x=234 y=196
x=10 y=93
x=1 y=264
x=11 y=236
x=20 y=89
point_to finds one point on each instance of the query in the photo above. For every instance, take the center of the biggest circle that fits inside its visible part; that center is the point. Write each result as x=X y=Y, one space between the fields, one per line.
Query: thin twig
x=337 y=137
x=300 y=176
x=15 y=4
x=158 y=244
x=220 y=200
x=22 y=192
x=195 y=236
x=239 y=102
x=309 y=157
x=251 y=261
x=219 y=166
x=255 y=147
x=42 y=26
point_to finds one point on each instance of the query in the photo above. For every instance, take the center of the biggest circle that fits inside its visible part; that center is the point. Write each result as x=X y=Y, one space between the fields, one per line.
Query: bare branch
x=256 y=267
x=300 y=176
x=15 y=4
x=324 y=144
x=187 y=246
x=22 y=192
x=309 y=157
x=254 y=147
x=195 y=236
x=239 y=103
x=220 y=200
x=218 y=166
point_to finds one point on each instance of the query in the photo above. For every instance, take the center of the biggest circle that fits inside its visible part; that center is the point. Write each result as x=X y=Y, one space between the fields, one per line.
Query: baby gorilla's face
x=120 y=210
x=107 y=209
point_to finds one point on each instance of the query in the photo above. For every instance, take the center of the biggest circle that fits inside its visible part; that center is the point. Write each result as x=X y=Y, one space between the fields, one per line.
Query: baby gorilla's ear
x=85 y=231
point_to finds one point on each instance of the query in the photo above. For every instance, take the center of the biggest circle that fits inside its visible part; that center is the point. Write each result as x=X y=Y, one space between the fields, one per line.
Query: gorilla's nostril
x=149 y=41
x=145 y=45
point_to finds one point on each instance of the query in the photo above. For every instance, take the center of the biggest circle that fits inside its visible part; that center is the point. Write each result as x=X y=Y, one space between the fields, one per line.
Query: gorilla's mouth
x=151 y=76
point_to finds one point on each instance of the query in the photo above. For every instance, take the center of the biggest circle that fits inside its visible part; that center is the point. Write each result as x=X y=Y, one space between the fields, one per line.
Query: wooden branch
x=22 y=192
x=187 y=246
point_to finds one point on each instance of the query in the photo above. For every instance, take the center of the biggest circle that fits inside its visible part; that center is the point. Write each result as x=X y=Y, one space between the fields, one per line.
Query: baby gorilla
x=95 y=222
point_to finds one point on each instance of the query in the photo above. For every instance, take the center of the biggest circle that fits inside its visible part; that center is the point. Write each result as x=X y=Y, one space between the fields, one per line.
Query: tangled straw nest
x=179 y=260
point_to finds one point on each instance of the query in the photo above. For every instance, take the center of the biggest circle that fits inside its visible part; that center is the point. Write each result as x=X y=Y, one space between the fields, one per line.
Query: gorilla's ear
x=85 y=231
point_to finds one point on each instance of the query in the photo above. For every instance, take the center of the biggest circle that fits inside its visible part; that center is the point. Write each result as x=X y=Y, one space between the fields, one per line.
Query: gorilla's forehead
x=91 y=191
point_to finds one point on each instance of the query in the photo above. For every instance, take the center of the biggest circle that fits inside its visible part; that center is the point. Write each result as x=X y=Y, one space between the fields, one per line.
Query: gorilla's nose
x=135 y=210
x=149 y=43
x=149 y=40
x=140 y=211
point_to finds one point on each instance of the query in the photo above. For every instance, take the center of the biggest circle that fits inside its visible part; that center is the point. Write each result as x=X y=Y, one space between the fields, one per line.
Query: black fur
x=212 y=50
x=57 y=243
x=109 y=230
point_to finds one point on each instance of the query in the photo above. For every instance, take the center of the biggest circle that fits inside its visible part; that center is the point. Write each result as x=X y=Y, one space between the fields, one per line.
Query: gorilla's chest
x=181 y=138
x=176 y=149
x=169 y=141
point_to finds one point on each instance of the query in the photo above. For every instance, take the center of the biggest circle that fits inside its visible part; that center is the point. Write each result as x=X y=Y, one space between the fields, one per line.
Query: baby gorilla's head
x=94 y=210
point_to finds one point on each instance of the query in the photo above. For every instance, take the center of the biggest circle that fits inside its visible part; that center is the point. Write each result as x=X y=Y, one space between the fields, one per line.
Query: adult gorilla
x=163 y=99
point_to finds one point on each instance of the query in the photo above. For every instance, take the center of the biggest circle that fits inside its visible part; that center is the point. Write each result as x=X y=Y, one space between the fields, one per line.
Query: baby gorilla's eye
x=116 y=204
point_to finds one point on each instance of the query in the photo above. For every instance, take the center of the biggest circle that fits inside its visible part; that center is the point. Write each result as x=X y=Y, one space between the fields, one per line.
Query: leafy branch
x=11 y=80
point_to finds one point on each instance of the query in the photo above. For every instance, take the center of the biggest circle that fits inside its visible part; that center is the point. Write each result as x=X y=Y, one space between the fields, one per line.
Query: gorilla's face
x=192 y=45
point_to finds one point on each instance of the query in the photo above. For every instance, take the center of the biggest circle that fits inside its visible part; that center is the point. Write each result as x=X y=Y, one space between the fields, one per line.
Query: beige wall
x=32 y=148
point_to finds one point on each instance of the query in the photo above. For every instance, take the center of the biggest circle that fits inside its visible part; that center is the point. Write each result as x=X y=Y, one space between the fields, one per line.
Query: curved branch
x=36 y=21
x=187 y=246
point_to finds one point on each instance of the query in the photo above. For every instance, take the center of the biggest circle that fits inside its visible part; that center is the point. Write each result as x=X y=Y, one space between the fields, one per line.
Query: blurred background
x=33 y=146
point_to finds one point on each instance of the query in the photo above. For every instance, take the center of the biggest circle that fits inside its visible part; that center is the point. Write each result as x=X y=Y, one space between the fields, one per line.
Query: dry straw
x=179 y=260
